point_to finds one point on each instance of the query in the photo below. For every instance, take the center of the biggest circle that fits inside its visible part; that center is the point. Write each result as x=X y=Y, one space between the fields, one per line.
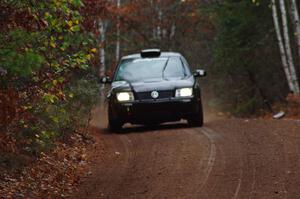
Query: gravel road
x=227 y=158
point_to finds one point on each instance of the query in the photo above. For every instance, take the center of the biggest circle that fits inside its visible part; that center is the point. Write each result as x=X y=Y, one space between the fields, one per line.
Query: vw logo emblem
x=154 y=94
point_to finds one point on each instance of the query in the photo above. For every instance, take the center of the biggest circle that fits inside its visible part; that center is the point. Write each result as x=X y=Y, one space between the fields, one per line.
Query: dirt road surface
x=227 y=158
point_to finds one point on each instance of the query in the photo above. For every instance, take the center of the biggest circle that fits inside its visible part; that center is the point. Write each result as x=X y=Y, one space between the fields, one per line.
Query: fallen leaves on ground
x=52 y=175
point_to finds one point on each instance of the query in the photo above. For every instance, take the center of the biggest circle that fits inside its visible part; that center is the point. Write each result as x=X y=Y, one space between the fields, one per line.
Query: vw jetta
x=153 y=87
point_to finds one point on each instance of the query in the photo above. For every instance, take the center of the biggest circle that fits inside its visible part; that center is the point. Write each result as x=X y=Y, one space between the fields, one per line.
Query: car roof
x=163 y=54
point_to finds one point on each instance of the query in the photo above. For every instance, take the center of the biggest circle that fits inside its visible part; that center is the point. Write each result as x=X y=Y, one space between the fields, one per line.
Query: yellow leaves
x=55 y=66
x=61 y=79
x=47 y=14
x=88 y=56
x=79 y=60
x=58 y=3
x=93 y=50
x=75 y=28
x=71 y=95
x=54 y=82
x=52 y=42
x=91 y=54
x=70 y=23
x=55 y=119
x=50 y=98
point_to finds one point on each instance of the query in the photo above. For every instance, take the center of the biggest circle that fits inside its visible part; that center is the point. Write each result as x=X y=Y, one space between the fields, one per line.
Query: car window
x=174 y=68
x=185 y=62
x=150 y=69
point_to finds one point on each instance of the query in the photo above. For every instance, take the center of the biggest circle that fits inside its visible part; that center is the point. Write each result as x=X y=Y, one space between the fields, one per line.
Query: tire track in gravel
x=224 y=159
x=212 y=156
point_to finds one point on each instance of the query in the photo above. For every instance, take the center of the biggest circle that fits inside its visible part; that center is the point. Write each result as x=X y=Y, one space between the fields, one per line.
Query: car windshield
x=150 y=69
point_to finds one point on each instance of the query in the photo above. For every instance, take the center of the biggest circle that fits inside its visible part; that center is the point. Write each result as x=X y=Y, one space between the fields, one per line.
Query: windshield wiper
x=165 y=66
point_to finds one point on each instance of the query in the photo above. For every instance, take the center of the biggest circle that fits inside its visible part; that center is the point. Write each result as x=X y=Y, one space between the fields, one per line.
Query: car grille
x=162 y=95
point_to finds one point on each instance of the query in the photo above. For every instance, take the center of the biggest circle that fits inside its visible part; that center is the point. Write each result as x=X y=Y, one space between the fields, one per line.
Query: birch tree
x=172 y=35
x=295 y=14
x=292 y=68
x=102 y=30
x=281 y=46
x=102 y=25
x=118 y=33
x=158 y=28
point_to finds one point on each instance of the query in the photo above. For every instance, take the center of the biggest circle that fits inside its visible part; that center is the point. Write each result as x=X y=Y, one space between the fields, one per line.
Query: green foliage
x=56 y=118
x=47 y=60
x=83 y=95
x=15 y=56
x=245 y=56
x=58 y=42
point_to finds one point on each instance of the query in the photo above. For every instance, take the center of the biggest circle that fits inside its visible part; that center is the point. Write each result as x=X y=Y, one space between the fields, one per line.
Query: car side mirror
x=200 y=73
x=105 y=80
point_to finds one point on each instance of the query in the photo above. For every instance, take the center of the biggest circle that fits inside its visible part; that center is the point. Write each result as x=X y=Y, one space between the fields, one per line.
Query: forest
x=52 y=53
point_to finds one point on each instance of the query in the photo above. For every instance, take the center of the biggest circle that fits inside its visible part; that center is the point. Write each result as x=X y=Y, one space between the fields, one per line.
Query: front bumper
x=155 y=111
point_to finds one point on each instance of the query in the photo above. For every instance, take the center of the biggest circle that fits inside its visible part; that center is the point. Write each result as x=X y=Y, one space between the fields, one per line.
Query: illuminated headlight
x=125 y=96
x=184 y=92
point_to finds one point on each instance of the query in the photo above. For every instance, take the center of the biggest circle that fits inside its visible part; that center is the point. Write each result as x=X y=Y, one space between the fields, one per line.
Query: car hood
x=155 y=85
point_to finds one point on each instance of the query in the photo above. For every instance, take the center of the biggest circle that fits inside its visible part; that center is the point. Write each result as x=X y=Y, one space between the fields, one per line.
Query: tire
x=196 y=120
x=114 y=124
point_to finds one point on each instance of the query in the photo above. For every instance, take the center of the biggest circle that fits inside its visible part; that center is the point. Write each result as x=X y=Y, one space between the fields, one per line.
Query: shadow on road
x=142 y=128
x=99 y=123
x=127 y=129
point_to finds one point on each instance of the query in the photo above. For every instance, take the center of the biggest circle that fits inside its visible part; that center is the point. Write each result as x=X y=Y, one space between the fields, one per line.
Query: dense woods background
x=52 y=53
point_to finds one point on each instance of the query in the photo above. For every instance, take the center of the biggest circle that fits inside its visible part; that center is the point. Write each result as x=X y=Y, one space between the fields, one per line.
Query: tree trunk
x=118 y=33
x=158 y=29
x=288 y=47
x=171 y=36
x=295 y=14
x=102 y=30
x=281 y=46
x=173 y=29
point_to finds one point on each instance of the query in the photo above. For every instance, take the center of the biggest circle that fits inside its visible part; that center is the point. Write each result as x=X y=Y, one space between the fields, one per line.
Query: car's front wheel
x=196 y=119
x=114 y=124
